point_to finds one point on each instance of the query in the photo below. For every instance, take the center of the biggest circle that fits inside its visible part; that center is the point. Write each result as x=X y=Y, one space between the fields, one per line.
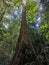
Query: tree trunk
x=1 y=15
x=25 y=52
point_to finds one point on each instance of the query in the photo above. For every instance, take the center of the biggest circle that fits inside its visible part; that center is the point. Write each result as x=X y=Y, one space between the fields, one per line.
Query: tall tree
x=25 y=52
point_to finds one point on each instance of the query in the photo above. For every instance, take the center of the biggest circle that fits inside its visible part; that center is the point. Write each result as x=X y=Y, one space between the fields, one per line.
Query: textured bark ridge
x=25 y=52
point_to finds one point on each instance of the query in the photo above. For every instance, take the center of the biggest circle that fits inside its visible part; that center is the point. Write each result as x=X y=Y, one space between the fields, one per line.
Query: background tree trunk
x=1 y=15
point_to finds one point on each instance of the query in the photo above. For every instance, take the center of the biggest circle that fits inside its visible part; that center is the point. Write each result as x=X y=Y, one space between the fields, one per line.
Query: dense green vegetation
x=10 y=23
